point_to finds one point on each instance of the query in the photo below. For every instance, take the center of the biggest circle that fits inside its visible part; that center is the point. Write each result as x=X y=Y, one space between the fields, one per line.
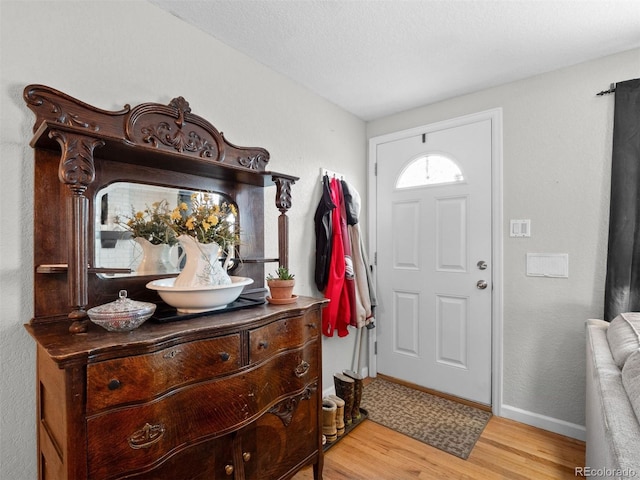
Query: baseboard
x=546 y=423
x=331 y=390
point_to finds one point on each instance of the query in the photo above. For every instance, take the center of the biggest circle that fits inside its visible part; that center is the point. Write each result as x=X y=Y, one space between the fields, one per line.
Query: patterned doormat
x=447 y=425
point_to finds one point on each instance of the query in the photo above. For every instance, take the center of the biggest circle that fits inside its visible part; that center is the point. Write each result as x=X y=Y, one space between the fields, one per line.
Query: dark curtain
x=622 y=287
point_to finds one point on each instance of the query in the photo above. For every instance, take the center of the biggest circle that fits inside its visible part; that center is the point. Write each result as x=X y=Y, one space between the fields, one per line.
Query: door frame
x=497 y=230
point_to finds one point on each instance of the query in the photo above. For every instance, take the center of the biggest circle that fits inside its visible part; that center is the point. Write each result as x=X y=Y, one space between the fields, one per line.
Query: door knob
x=482 y=265
x=481 y=285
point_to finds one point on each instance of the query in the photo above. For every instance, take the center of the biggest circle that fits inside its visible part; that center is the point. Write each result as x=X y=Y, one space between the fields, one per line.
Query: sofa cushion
x=631 y=380
x=613 y=432
x=623 y=336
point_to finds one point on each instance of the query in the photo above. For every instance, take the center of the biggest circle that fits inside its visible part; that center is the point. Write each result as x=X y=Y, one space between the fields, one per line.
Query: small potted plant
x=281 y=286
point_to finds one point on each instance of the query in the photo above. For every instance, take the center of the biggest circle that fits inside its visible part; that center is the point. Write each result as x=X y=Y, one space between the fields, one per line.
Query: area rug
x=444 y=424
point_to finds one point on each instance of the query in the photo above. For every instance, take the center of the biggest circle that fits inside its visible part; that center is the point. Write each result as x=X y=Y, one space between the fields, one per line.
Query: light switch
x=520 y=228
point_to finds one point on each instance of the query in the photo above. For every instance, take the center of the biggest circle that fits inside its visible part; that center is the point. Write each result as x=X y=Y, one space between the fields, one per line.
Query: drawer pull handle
x=228 y=469
x=263 y=344
x=224 y=356
x=312 y=326
x=302 y=369
x=246 y=456
x=114 y=384
x=171 y=354
x=146 y=436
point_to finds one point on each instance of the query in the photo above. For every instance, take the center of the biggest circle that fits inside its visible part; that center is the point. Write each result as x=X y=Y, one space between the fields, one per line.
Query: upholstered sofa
x=613 y=398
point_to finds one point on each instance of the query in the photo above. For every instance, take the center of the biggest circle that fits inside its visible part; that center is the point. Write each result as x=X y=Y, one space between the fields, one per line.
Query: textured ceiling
x=374 y=58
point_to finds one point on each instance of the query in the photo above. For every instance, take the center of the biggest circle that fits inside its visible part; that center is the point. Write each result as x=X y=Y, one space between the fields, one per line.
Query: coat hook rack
x=330 y=173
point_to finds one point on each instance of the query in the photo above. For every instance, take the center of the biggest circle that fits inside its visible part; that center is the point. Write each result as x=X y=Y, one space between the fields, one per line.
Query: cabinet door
x=205 y=461
x=285 y=437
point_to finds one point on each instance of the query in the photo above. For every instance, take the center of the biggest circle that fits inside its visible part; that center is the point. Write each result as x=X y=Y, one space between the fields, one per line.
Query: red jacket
x=338 y=313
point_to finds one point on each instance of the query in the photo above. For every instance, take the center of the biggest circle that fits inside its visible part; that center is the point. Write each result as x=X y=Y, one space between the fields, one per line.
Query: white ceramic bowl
x=198 y=299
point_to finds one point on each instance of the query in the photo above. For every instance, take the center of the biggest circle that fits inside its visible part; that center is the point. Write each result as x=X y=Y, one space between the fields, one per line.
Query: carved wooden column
x=283 y=203
x=77 y=171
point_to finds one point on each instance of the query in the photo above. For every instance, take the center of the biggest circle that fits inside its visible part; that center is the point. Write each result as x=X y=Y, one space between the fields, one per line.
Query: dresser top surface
x=98 y=344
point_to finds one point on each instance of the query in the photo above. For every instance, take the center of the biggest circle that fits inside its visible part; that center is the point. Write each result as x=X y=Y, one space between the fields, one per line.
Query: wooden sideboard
x=232 y=394
x=229 y=395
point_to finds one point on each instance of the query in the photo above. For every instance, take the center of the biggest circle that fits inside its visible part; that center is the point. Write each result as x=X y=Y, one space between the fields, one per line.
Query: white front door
x=434 y=265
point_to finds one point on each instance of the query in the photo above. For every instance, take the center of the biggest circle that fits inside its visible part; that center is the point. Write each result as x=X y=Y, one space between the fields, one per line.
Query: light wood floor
x=506 y=450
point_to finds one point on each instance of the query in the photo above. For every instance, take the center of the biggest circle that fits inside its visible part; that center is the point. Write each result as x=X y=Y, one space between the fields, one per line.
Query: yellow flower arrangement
x=150 y=223
x=206 y=221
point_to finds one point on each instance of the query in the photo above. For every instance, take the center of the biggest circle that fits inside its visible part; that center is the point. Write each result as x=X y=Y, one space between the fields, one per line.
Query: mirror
x=131 y=230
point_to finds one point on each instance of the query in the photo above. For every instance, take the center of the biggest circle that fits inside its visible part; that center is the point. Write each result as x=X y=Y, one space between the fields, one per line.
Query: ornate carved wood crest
x=172 y=128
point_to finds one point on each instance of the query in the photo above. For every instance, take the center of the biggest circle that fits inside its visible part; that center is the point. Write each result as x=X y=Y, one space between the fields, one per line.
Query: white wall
x=556 y=162
x=111 y=53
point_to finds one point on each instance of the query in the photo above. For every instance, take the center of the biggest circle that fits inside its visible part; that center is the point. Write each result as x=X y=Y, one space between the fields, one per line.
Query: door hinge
x=375 y=347
x=375 y=169
x=375 y=258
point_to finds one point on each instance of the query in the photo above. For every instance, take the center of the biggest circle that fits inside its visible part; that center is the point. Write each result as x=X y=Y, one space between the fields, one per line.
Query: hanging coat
x=365 y=297
x=339 y=302
x=322 y=222
x=349 y=274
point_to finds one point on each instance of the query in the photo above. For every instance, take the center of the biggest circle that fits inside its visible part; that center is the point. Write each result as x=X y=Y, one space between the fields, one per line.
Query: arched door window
x=432 y=169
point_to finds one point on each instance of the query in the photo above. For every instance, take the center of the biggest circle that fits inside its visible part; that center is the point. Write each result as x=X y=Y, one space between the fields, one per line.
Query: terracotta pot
x=281 y=289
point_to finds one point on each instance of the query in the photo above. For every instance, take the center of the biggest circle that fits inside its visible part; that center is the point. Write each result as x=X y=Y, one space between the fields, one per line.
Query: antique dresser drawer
x=139 y=437
x=142 y=377
x=281 y=335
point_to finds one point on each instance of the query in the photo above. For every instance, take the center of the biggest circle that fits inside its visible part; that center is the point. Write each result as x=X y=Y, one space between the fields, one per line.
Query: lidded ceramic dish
x=123 y=315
